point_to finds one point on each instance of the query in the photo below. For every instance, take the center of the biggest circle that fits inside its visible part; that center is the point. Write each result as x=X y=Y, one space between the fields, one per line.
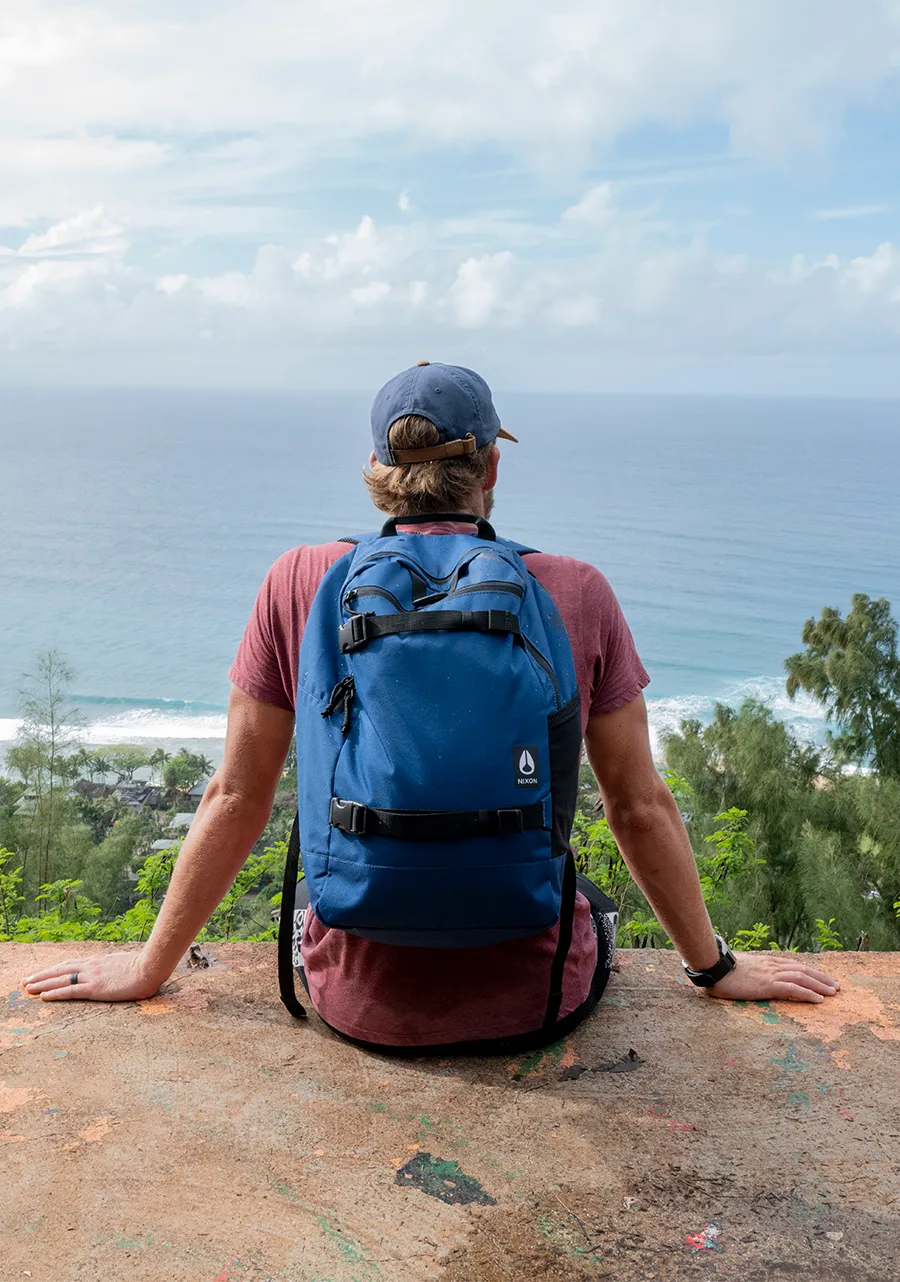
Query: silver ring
x=73 y=979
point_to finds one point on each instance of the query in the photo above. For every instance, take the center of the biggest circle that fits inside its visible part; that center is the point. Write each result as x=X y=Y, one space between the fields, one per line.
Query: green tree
x=184 y=770
x=127 y=758
x=851 y=666
x=733 y=854
x=158 y=759
x=105 y=866
x=746 y=759
x=753 y=938
x=46 y=739
x=10 y=897
x=258 y=870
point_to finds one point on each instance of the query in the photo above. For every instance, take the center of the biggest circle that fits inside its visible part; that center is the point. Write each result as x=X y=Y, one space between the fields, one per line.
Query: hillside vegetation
x=797 y=845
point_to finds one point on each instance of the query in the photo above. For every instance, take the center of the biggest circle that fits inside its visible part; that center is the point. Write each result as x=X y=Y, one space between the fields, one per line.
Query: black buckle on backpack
x=349 y=816
x=354 y=633
x=502 y=621
x=510 y=822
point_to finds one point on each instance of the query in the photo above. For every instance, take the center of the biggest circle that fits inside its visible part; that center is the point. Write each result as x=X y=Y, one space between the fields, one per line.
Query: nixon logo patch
x=525 y=760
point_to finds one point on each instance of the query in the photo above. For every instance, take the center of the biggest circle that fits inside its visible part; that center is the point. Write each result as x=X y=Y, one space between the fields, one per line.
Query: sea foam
x=166 y=722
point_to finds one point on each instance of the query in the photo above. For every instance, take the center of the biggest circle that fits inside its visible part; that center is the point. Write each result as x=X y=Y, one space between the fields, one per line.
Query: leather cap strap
x=468 y=445
x=450 y=449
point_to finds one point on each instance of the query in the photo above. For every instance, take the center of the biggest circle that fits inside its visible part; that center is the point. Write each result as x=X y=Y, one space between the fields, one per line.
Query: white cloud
x=877 y=275
x=849 y=211
x=369 y=295
x=540 y=78
x=480 y=293
x=89 y=233
x=169 y=171
x=652 y=294
x=41 y=286
x=597 y=207
x=172 y=284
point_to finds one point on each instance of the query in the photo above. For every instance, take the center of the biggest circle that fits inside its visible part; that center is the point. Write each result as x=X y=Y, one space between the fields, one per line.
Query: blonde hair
x=415 y=489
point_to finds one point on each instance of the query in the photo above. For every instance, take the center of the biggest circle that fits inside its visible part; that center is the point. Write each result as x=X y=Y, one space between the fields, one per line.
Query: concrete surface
x=205 y=1136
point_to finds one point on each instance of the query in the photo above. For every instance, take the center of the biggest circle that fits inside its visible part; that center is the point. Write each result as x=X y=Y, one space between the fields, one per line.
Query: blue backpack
x=438 y=746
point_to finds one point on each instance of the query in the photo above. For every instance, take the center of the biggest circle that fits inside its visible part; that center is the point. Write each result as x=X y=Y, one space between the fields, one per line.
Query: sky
x=619 y=195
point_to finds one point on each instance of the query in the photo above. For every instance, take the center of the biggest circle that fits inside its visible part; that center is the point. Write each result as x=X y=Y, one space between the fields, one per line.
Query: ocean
x=136 y=527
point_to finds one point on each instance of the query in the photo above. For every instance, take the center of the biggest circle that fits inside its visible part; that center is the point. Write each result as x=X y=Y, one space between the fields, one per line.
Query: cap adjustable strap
x=468 y=445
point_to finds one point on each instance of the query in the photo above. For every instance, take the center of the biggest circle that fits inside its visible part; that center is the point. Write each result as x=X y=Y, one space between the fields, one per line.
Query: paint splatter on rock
x=443 y=1180
x=704 y=1242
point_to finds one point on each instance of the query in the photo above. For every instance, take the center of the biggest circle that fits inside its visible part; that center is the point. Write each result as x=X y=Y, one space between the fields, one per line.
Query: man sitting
x=435 y=429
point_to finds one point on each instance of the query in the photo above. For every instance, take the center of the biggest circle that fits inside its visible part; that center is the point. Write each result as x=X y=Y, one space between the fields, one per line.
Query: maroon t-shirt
x=400 y=996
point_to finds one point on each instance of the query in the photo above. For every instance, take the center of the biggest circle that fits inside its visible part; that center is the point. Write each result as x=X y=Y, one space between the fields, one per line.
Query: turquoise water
x=136 y=526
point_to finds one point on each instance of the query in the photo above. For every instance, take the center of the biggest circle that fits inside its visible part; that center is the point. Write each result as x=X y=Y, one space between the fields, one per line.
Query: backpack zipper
x=407 y=561
x=568 y=710
x=371 y=590
x=545 y=664
x=499 y=586
x=342 y=696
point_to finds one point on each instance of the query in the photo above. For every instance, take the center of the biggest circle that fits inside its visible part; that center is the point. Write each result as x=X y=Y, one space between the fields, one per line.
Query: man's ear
x=491 y=479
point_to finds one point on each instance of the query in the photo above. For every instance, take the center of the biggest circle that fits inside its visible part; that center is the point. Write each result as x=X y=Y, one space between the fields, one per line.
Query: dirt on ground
x=205 y=1136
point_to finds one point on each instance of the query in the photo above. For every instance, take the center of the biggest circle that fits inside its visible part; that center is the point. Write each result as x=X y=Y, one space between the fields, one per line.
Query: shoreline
x=200 y=727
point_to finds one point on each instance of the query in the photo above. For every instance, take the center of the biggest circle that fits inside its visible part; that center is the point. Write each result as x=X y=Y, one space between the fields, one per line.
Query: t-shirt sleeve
x=618 y=674
x=261 y=667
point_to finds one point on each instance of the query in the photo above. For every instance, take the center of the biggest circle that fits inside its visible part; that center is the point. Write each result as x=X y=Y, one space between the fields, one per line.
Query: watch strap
x=711 y=976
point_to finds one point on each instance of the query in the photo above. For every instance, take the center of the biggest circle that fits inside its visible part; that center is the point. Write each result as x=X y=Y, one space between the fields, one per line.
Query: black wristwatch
x=724 y=966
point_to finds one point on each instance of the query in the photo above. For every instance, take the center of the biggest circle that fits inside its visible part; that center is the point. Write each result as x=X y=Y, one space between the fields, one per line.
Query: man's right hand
x=106 y=977
x=782 y=976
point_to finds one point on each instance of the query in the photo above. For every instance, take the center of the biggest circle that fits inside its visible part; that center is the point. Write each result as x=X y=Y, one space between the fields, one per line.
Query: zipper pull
x=342 y=697
x=349 y=694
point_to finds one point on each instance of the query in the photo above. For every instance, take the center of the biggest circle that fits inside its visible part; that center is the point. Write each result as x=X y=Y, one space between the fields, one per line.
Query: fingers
x=822 y=977
x=783 y=990
x=65 y=992
x=60 y=985
x=54 y=981
x=792 y=970
x=808 y=979
x=60 y=968
x=788 y=961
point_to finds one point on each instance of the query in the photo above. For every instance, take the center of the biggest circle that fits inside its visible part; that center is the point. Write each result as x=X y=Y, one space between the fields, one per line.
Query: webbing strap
x=286 y=925
x=566 y=923
x=362 y=628
x=432 y=825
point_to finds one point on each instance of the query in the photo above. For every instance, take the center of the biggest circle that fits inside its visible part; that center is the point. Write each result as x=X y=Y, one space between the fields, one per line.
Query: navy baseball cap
x=456 y=400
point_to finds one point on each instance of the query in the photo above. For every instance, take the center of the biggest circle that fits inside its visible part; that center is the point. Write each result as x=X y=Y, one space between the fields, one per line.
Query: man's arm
x=648 y=828
x=229 y=821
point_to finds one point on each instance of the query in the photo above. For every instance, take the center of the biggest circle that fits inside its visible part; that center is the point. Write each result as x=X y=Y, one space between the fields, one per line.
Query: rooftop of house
x=182 y=820
x=205 y=1135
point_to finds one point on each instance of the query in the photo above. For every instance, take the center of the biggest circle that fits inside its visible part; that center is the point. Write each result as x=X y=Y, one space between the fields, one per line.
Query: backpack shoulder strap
x=521 y=548
x=286 y=926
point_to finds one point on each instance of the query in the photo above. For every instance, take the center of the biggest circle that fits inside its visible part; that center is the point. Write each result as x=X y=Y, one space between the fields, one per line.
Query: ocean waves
x=154 y=722
x=805 y=717
x=168 y=723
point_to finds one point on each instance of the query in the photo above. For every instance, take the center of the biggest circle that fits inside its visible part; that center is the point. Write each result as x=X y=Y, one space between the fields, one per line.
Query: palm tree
x=158 y=759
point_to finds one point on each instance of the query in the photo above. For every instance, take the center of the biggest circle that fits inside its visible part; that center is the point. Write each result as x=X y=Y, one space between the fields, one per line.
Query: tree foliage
x=185 y=769
x=793 y=849
x=851 y=666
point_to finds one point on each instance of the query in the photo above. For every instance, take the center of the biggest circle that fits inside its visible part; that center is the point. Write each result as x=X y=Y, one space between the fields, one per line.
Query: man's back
x=424 y=996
